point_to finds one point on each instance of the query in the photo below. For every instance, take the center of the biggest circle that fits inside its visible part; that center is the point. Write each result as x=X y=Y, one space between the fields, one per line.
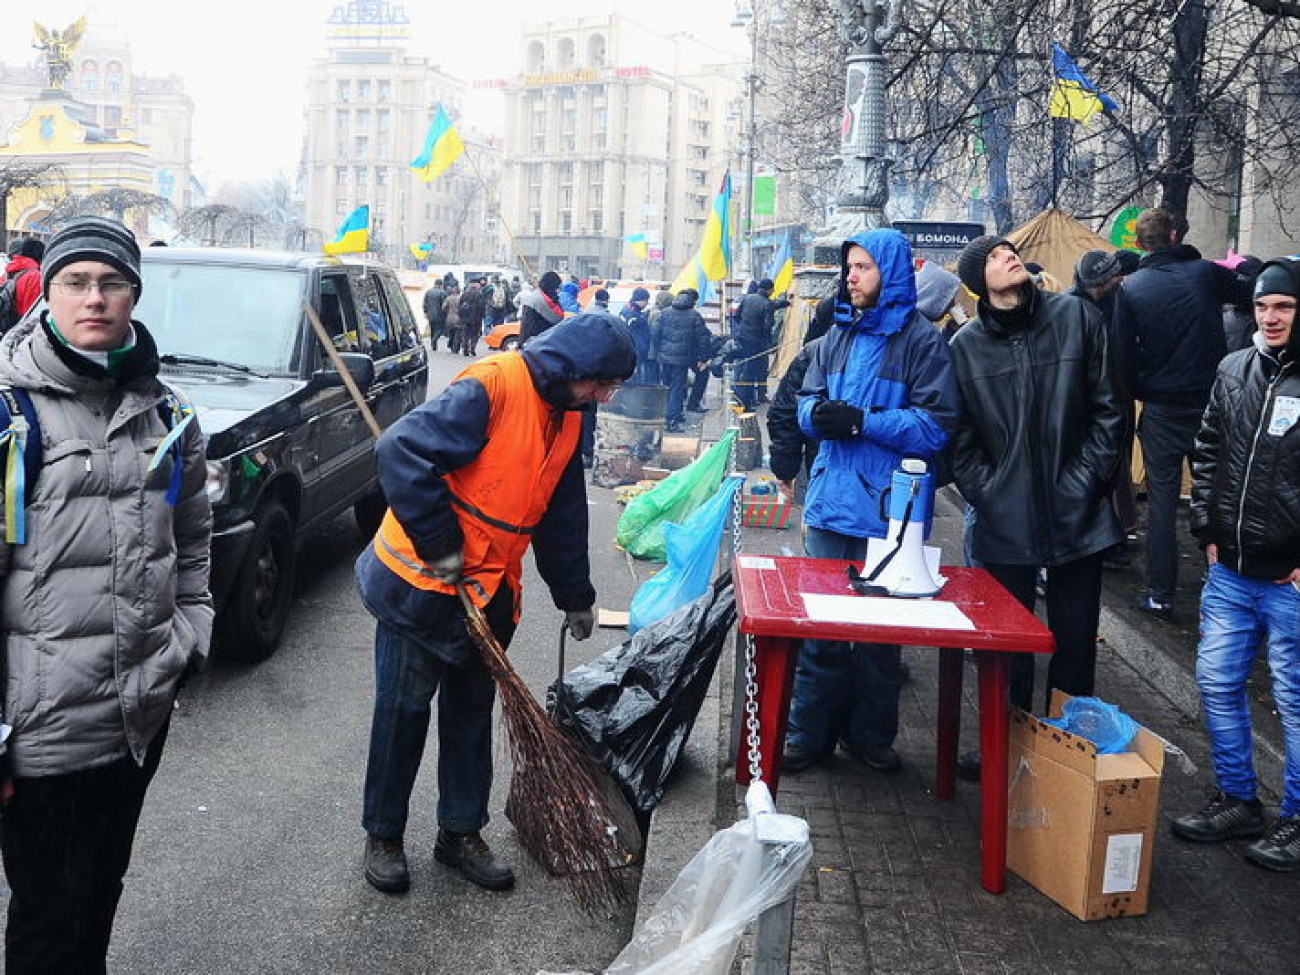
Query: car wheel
x=369 y=512
x=510 y=343
x=253 y=620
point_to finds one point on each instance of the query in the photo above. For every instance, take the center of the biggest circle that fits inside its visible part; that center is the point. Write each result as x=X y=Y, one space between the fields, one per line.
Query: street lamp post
x=866 y=25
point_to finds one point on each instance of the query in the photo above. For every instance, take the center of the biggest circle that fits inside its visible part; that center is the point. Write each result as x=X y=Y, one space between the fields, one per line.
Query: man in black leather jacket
x=1246 y=514
x=1034 y=451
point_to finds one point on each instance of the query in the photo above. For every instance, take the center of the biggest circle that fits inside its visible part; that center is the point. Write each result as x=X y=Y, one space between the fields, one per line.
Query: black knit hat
x=1278 y=278
x=974 y=257
x=1097 y=267
x=92 y=239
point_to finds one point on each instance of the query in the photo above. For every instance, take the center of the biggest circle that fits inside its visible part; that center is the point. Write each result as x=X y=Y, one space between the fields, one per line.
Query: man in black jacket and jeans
x=1169 y=313
x=1246 y=515
x=1034 y=451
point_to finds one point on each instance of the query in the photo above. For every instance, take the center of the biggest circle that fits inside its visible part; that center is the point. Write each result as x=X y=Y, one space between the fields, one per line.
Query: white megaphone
x=898 y=565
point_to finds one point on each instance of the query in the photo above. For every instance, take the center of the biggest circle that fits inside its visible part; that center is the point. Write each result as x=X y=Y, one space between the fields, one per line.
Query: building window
x=566 y=54
x=539 y=142
x=362 y=178
x=537 y=221
x=363 y=120
x=340 y=175
x=89 y=76
x=536 y=58
x=568 y=143
x=343 y=148
x=597 y=221
x=566 y=221
x=566 y=197
x=342 y=209
x=568 y=120
x=383 y=90
x=596 y=57
x=113 y=77
x=599 y=119
x=381 y=148
x=341 y=119
x=381 y=176
x=363 y=90
x=363 y=147
x=383 y=121
x=598 y=140
x=344 y=91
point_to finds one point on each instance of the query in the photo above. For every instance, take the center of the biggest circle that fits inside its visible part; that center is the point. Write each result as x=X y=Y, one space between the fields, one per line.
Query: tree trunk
x=1190 y=28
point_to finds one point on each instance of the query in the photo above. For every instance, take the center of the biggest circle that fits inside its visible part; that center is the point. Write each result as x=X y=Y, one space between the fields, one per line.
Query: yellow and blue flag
x=1074 y=96
x=639 y=246
x=442 y=147
x=422 y=250
x=781 y=270
x=715 y=249
x=354 y=235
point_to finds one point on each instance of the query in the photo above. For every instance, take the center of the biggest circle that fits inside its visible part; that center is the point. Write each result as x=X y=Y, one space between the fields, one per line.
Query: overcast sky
x=244 y=61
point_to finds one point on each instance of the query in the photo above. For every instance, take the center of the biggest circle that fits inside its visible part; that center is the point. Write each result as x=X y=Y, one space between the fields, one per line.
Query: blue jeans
x=1236 y=613
x=407 y=676
x=843 y=690
x=1168 y=434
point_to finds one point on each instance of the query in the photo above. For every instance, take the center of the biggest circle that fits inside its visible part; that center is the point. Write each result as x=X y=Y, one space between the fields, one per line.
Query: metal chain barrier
x=754 y=751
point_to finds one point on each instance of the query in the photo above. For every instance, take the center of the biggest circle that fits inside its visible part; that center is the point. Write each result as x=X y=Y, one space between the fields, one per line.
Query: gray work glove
x=447 y=568
x=581 y=622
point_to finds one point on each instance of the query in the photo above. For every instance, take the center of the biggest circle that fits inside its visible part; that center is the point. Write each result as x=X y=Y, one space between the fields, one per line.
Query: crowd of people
x=1031 y=408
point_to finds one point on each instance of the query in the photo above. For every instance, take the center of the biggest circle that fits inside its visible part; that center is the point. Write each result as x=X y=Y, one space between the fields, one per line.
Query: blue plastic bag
x=1105 y=725
x=692 y=549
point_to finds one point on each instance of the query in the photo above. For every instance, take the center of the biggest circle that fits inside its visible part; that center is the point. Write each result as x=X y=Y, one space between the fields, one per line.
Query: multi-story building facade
x=369 y=105
x=614 y=132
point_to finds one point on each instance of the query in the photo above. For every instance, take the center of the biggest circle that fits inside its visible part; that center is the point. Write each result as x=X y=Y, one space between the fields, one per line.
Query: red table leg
x=949 y=723
x=994 y=672
x=774 y=662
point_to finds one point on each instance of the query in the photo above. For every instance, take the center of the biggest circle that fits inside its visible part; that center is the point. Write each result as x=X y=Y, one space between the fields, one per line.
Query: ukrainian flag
x=442 y=147
x=1074 y=96
x=639 y=246
x=782 y=269
x=354 y=235
x=715 y=250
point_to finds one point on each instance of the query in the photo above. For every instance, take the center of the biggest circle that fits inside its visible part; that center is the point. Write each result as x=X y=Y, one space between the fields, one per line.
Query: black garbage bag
x=634 y=705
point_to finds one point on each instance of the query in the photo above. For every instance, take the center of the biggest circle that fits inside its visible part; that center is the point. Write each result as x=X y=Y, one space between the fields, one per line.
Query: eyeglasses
x=80 y=287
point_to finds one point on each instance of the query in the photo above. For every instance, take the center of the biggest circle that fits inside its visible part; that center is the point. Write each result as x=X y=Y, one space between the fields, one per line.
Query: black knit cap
x=974 y=257
x=1278 y=278
x=92 y=239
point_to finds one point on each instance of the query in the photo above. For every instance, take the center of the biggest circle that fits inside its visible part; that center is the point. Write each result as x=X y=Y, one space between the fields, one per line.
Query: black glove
x=836 y=420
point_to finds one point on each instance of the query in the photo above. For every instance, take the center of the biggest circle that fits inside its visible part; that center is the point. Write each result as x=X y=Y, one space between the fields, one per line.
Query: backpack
x=498 y=296
x=9 y=314
x=22 y=438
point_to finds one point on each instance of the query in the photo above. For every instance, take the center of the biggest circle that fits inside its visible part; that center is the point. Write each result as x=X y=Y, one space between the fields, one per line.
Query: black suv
x=288 y=448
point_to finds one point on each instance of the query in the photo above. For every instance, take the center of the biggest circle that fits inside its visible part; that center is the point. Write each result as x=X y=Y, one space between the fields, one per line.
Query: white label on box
x=1123 y=861
x=756 y=562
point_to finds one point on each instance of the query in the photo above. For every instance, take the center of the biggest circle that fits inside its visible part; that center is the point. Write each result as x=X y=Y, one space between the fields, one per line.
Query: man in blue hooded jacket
x=879 y=388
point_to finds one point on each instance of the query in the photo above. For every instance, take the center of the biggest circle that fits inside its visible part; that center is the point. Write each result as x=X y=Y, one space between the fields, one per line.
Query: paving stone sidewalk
x=894 y=882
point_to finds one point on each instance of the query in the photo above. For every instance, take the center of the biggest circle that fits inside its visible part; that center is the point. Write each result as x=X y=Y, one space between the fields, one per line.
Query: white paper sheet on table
x=886 y=611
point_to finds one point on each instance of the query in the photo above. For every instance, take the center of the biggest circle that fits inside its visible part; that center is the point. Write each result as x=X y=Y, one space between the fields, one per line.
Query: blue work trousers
x=842 y=690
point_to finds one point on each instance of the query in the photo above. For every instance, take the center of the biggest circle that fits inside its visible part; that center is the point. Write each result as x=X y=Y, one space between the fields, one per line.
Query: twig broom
x=567 y=816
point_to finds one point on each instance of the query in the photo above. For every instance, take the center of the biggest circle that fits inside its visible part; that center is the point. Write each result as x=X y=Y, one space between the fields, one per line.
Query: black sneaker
x=468 y=853
x=1280 y=849
x=1222 y=818
x=968 y=766
x=386 y=868
x=1158 y=608
x=882 y=759
x=795 y=759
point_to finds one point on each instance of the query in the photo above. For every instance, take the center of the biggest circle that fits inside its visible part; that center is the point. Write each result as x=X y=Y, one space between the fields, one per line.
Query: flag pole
x=510 y=235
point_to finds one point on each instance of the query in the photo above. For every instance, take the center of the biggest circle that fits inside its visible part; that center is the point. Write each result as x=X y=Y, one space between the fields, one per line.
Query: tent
x=1056 y=241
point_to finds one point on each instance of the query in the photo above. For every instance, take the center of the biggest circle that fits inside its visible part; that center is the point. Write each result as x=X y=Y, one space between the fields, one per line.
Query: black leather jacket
x=1245 y=473
x=1038 y=434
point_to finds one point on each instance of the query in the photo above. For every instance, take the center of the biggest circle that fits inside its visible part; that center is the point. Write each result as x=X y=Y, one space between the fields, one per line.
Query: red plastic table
x=769 y=598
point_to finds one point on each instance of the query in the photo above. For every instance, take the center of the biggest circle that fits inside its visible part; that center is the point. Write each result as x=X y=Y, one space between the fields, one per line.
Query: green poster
x=764 y=196
x=1123 y=232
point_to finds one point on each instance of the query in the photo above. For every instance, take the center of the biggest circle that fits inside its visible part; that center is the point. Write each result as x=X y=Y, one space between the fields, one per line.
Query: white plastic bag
x=697 y=924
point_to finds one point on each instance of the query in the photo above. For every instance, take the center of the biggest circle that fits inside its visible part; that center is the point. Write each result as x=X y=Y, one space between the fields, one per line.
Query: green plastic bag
x=641 y=527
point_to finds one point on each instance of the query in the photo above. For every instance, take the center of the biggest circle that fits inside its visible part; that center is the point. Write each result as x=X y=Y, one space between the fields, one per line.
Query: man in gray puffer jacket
x=105 y=602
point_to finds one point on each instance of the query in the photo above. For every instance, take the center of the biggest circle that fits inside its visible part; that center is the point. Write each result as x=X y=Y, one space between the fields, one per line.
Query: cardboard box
x=764 y=511
x=1081 y=826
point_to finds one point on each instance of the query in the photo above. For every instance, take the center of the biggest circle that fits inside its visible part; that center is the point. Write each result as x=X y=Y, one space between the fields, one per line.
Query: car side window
x=401 y=314
x=379 y=331
x=338 y=315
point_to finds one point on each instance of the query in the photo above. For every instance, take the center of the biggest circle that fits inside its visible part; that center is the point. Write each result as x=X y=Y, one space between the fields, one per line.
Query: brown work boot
x=468 y=853
x=386 y=868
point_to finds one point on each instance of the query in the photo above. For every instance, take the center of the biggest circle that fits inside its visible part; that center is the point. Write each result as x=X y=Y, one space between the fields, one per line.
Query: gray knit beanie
x=92 y=239
x=974 y=257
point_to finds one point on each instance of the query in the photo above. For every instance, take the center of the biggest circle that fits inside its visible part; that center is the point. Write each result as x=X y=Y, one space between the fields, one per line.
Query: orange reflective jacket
x=501 y=496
